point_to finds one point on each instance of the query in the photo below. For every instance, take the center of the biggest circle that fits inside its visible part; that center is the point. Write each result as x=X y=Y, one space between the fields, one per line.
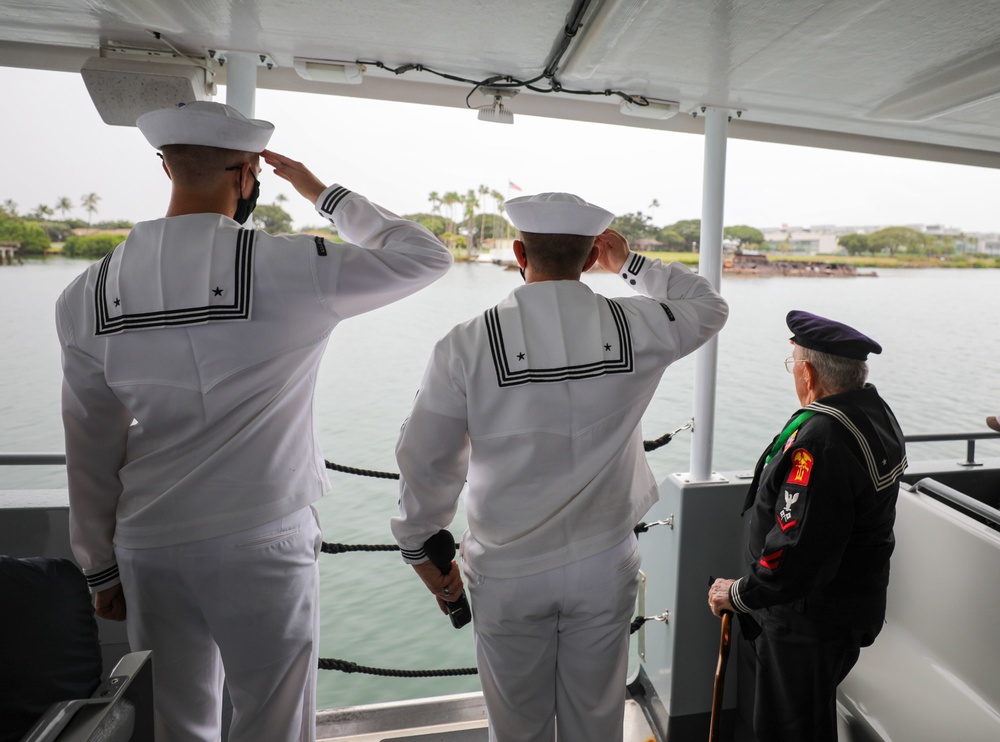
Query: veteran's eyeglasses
x=790 y=363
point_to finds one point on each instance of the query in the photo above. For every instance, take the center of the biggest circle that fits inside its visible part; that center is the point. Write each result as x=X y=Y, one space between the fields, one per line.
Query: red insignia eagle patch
x=802 y=464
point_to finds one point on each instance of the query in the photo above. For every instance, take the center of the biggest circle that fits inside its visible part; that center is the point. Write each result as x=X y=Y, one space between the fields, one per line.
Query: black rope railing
x=328 y=548
x=353 y=667
x=361 y=472
x=346 y=548
x=646 y=445
x=666 y=437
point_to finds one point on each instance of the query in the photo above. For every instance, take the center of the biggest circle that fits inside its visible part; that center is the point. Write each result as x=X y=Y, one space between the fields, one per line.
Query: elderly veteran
x=190 y=356
x=537 y=403
x=822 y=504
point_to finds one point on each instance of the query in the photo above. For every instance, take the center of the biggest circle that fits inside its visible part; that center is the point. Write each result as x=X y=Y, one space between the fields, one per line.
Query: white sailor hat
x=206 y=123
x=557 y=213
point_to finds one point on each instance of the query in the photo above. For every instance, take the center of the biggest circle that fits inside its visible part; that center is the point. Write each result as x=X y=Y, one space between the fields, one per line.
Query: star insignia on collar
x=117 y=301
x=520 y=356
x=607 y=346
x=217 y=291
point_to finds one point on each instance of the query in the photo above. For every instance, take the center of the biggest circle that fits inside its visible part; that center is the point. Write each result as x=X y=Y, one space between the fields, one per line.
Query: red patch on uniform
x=785 y=526
x=772 y=560
x=802 y=464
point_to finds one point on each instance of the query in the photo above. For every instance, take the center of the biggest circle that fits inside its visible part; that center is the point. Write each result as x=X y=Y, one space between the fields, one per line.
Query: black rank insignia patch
x=320 y=246
x=785 y=517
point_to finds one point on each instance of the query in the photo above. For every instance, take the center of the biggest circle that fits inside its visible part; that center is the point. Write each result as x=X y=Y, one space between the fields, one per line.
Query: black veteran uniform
x=821 y=511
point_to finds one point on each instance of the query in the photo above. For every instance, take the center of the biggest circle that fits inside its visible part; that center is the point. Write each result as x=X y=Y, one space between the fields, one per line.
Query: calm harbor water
x=938 y=371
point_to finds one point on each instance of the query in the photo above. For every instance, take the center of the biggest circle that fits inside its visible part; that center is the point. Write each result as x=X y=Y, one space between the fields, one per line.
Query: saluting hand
x=612 y=250
x=307 y=184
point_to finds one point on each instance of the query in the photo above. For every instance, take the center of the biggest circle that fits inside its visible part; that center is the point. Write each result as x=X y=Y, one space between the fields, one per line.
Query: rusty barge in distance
x=761 y=265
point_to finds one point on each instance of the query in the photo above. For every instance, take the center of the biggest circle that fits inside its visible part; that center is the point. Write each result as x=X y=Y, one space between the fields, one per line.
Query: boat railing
x=32 y=459
x=960 y=501
x=59 y=459
x=969 y=438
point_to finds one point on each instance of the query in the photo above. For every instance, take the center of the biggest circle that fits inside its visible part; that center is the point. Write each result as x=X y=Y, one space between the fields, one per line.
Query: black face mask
x=245 y=206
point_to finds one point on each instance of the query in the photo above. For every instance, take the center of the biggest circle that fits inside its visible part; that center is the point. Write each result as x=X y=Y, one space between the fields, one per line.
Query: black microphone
x=440 y=549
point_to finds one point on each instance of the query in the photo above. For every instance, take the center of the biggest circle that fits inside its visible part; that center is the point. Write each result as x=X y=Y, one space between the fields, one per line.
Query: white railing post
x=709 y=266
x=241 y=82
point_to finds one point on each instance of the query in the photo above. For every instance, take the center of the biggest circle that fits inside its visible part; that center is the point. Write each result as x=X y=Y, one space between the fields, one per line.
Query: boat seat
x=50 y=681
x=48 y=639
x=936 y=644
x=120 y=710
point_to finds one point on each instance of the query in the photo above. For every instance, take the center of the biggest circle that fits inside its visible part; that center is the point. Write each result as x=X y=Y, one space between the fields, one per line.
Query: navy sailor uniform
x=821 y=512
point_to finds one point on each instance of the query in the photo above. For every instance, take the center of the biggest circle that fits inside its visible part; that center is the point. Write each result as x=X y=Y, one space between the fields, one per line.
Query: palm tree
x=63 y=205
x=10 y=207
x=89 y=202
x=42 y=211
x=435 y=200
x=498 y=198
x=470 y=202
x=449 y=199
x=484 y=191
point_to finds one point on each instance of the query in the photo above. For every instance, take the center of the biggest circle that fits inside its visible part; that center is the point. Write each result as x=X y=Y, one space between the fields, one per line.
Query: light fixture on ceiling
x=654 y=109
x=125 y=85
x=496 y=111
x=952 y=89
x=324 y=70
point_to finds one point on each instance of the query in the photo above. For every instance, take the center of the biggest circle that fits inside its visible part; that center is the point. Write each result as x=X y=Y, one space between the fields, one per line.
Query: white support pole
x=241 y=82
x=709 y=266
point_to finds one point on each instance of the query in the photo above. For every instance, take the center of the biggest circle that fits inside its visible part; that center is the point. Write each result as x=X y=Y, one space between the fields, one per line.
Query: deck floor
x=637 y=729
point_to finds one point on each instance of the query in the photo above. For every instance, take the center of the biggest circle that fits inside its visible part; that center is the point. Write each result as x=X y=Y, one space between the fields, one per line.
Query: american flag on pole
x=512 y=186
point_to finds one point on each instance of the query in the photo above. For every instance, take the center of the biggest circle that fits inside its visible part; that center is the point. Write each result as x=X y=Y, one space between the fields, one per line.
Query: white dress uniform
x=190 y=358
x=537 y=404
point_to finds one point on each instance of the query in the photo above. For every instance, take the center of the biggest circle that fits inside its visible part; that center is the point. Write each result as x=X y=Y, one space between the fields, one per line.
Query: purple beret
x=828 y=336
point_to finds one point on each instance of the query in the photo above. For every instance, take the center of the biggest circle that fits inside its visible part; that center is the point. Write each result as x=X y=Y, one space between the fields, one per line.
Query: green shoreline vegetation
x=469 y=223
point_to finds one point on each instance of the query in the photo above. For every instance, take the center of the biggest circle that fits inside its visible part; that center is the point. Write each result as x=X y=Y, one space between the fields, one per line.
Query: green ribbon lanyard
x=787 y=433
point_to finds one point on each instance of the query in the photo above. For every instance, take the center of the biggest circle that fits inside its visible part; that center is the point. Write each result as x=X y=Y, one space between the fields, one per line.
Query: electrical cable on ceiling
x=569 y=31
x=506 y=81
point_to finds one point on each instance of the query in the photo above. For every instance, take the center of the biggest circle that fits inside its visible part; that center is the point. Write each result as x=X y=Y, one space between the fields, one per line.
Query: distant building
x=822 y=240
x=988 y=244
x=803 y=241
x=84 y=231
x=647 y=243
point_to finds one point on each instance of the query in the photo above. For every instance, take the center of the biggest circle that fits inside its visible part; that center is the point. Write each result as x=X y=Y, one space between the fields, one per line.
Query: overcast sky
x=55 y=144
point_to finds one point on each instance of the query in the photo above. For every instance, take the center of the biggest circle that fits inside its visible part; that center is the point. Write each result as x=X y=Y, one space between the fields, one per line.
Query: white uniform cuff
x=413 y=556
x=734 y=597
x=635 y=265
x=331 y=199
x=103 y=577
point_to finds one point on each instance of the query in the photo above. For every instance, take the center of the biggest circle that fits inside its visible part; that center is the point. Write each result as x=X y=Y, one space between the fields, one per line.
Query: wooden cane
x=720 y=677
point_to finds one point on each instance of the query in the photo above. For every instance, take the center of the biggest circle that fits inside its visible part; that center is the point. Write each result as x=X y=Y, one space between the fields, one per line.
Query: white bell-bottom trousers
x=552 y=648
x=240 y=608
